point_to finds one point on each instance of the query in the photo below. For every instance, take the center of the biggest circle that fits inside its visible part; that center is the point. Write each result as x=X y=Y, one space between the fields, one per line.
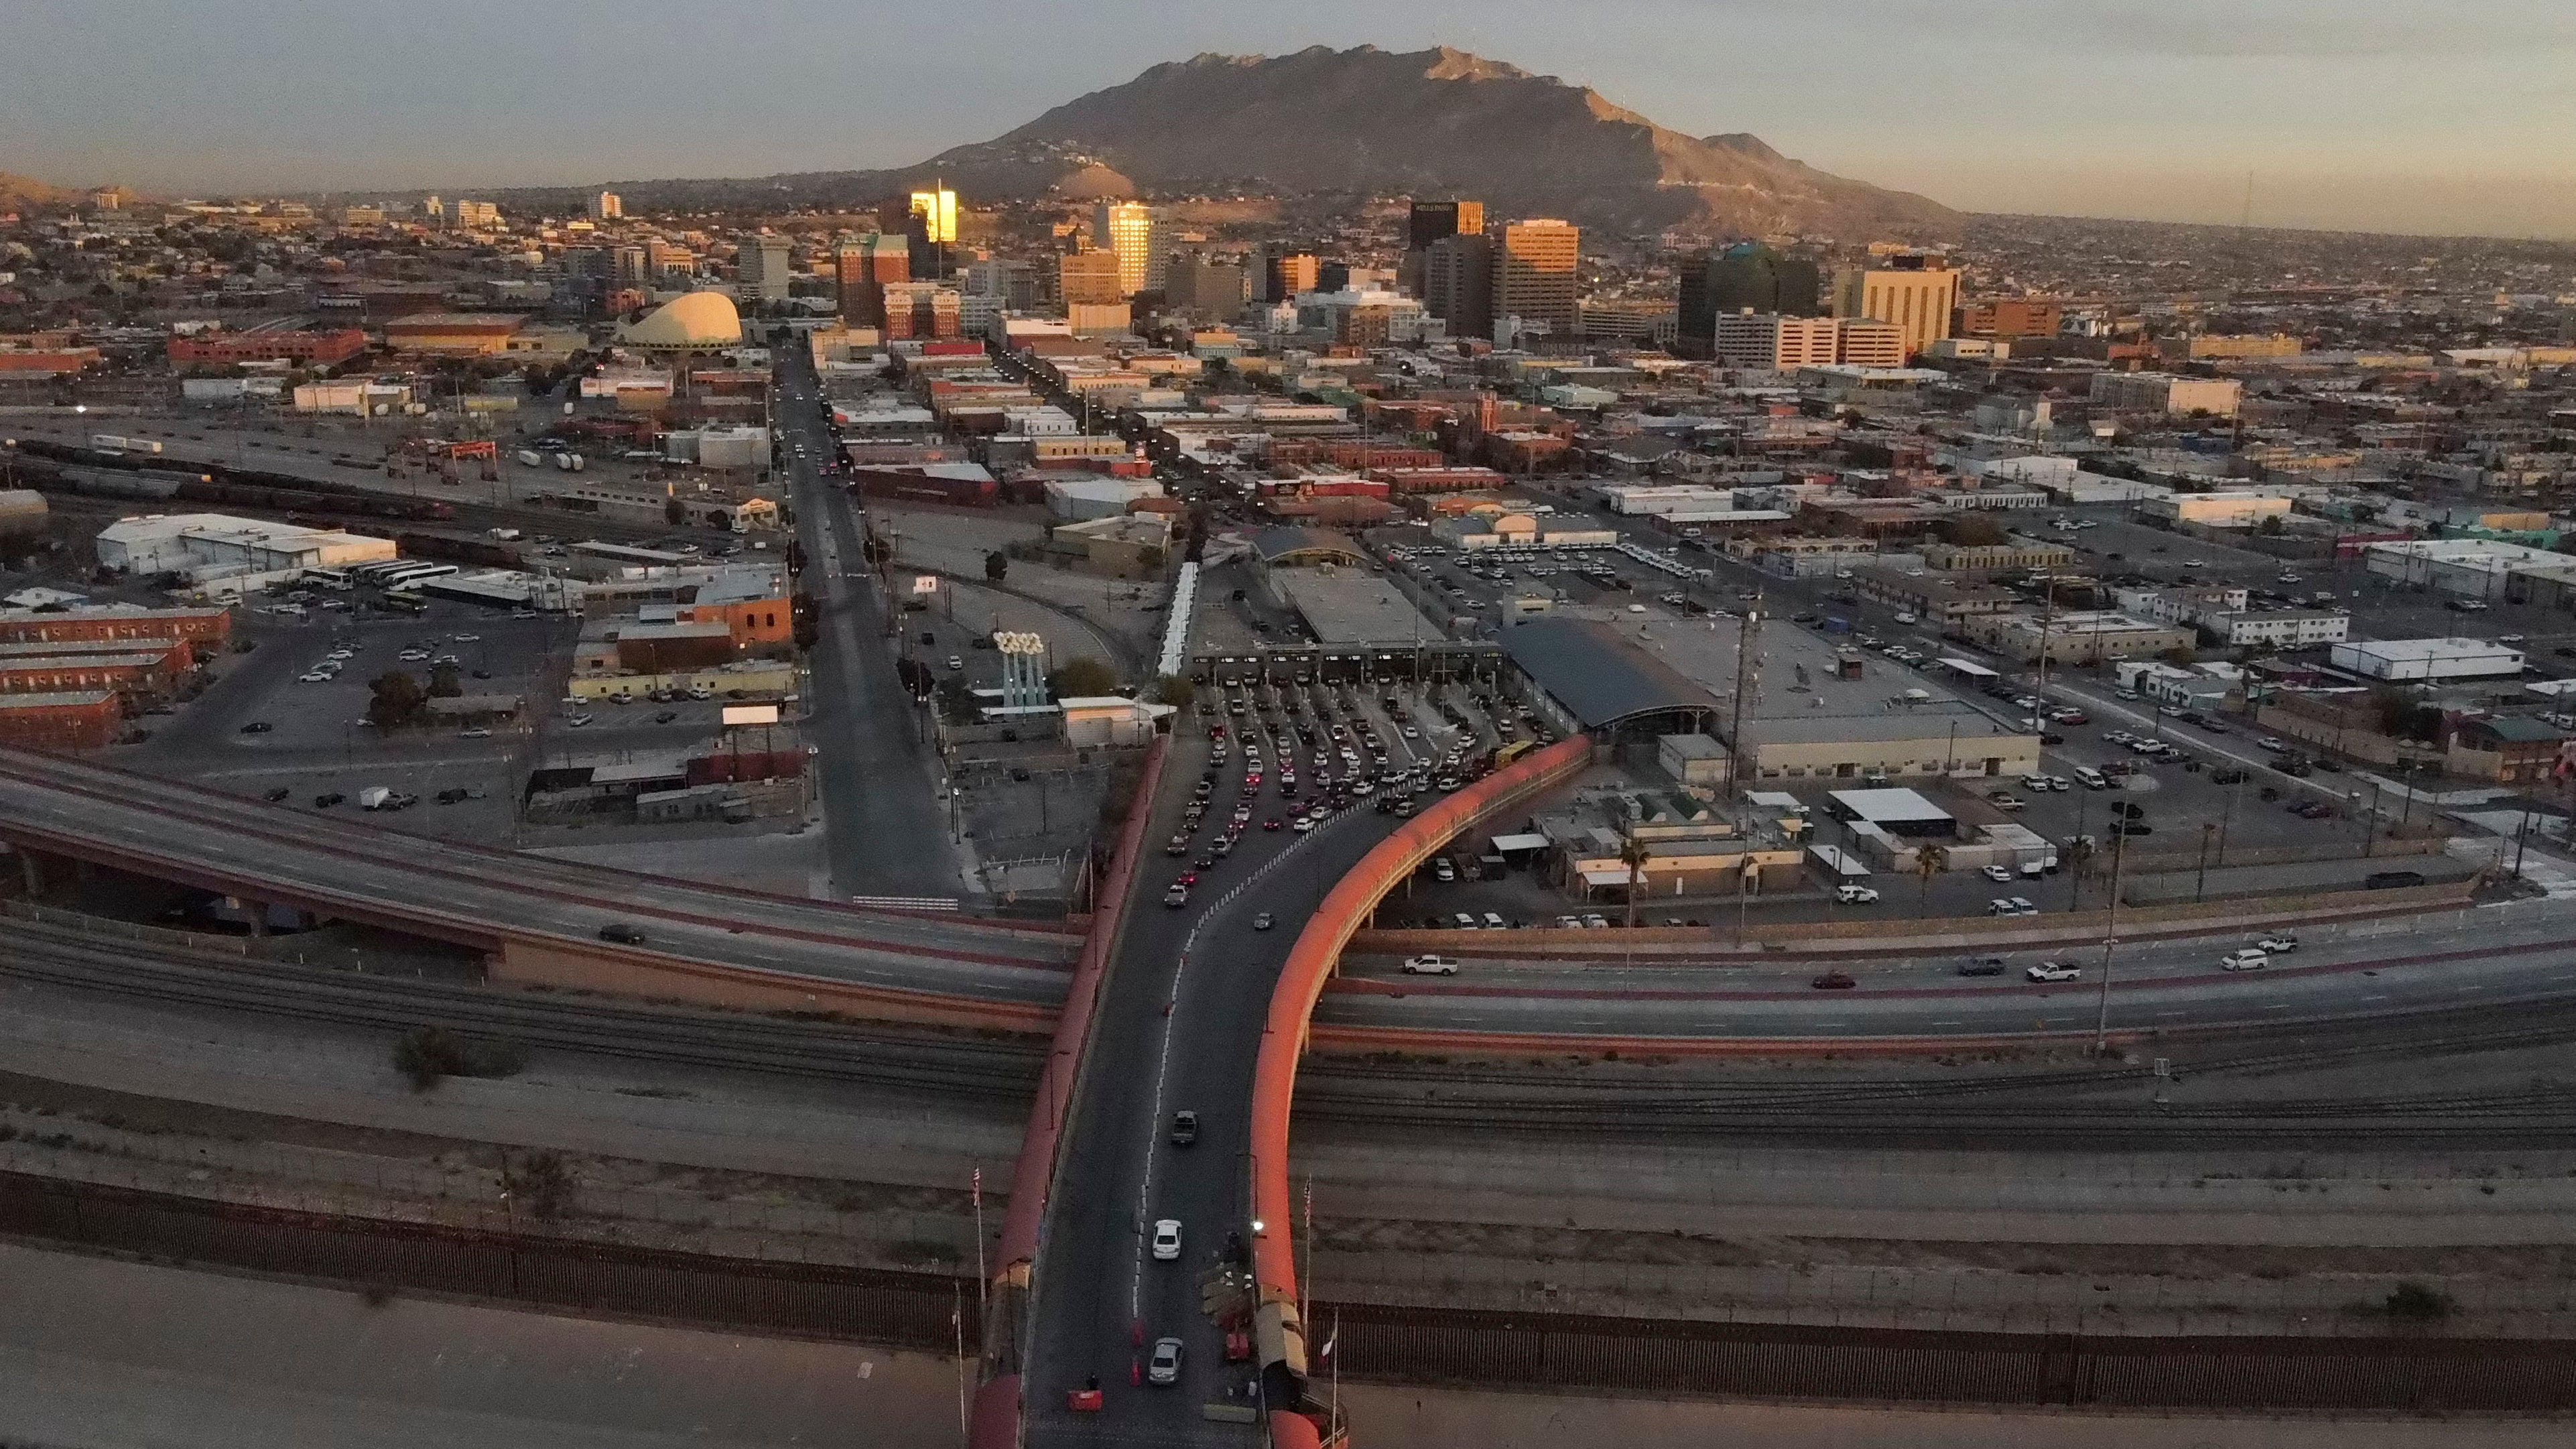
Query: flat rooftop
x=1355 y=608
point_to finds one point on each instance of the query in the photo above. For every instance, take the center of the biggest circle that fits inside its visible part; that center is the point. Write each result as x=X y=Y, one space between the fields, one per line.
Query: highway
x=884 y=827
x=1097 y=1287
x=479 y=897
x=2515 y=951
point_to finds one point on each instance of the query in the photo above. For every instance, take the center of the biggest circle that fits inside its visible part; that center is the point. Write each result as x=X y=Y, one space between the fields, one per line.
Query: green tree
x=997 y=566
x=1082 y=677
x=445 y=682
x=1174 y=689
x=1929 y=861
x=2079 y=861
x=1971 y=530
x=673 y=513
x=394 y=700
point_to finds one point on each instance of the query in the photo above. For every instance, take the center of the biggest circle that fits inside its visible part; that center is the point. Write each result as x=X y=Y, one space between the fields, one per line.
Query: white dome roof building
x=696 y=322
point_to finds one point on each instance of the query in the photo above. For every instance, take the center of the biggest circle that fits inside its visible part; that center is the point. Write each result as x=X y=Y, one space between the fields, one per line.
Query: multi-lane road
x=881 y=782
x=1185 y=1002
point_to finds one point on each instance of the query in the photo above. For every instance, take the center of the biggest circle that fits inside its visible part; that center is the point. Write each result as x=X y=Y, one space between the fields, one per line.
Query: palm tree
x=1633 y=853
x=2079 y=858
x=1929 y=861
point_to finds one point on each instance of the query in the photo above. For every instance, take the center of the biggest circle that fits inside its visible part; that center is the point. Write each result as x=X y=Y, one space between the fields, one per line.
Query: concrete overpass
x=536 y=919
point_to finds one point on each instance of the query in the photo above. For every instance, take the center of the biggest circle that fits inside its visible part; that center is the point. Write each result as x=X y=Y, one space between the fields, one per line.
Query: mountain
x=1438 y=121
x=17 y=192
x=1370 y=122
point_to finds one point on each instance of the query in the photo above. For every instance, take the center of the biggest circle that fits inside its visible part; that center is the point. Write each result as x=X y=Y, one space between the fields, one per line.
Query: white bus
x=336 y=580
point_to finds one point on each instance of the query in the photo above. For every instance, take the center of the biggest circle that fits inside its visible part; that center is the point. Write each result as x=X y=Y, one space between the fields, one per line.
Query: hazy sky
x=2413 y=115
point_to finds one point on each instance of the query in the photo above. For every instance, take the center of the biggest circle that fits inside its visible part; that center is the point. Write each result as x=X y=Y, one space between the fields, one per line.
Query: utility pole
x=2110 y=935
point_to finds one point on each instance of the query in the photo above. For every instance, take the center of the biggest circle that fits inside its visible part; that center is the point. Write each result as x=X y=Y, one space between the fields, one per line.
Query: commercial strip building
x=2087 y=636
x=2231 y=508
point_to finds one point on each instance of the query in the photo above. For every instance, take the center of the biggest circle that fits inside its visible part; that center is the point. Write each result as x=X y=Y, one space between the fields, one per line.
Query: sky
x=2436 y=116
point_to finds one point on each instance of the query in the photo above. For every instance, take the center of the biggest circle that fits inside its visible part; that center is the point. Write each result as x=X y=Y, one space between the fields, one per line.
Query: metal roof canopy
x=1600 y=676
x=1894 y=805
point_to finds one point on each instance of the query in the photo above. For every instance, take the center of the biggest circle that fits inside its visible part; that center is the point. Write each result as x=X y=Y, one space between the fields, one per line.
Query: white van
x=2091 y=779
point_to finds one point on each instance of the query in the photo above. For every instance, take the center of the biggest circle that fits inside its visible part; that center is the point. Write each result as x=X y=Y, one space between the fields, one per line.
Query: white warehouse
x=2426 y=660
x=215 y=544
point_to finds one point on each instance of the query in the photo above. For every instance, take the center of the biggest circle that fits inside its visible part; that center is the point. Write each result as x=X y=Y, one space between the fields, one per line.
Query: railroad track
x=950 y=1067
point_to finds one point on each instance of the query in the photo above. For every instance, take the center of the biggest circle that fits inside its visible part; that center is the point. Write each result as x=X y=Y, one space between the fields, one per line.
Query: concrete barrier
x=997 y=1411
x=647 y=976
x=1311 y=962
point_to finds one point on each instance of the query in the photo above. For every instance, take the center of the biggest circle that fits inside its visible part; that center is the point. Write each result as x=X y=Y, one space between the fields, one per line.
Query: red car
x=1188 y=878
x=1834 y=981
x=1270 y=824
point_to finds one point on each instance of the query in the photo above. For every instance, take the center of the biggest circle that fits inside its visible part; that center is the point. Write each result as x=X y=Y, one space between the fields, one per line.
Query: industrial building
x=2426 y=660
x=2474 y=568
x=2163 y=392
x=2084 y=636
x=213 y=548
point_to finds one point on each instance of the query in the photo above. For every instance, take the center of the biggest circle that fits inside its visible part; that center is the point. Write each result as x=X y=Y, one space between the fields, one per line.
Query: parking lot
x=288 y=720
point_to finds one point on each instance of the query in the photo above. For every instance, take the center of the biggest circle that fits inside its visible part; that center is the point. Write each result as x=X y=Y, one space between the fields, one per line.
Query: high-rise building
x=432 y=209
x=1283 y=271
x=477 y=215
x=762 y=268
x=1458 y=283
x=1748 y=275
x=861 y=271
x=924 y=310
x=1535 y=273
x=1432 y=220
x=606 y=206
x=1915 y=290
x=1089 y=278
x=1128 y=228
x=1198 y=282
x=930 y=230
x=1014 y=283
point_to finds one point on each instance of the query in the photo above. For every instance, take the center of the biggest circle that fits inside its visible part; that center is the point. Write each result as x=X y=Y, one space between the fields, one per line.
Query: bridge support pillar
x=31 y=873
x=258 y=913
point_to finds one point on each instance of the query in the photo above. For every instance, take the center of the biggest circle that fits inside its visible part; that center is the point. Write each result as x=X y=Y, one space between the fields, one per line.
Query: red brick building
x=303 y=346
x=70 y=720
x=207 y=627
x=85 y=673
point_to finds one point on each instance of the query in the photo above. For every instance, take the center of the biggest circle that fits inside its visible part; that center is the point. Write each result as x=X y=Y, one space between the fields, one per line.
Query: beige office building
x=1770 y=341
x=1089 y=277
x=1917 y=294
x=1535 y=273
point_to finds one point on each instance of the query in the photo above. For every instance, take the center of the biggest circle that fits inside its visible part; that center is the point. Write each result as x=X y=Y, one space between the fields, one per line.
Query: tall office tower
x=761 y=268
x=606 y=206
x=1089 y=278
x=1458 y=283
x=930 y=230
x=1197 y=282
x=1014 y=282
x=1128 y=228
x=478 y=215
x=1732 y=279
x=432 y=209
x=1284 y=271
x=1914 y=290
x=1432 y=220
x=1534 y=273
x=861 y=270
